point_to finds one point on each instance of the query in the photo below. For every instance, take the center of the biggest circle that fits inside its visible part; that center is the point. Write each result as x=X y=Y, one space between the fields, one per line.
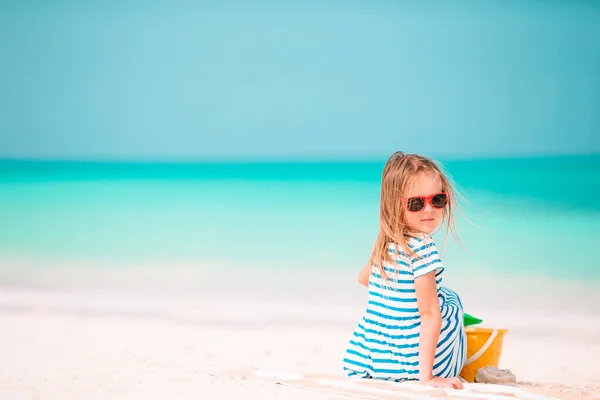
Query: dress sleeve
x=427 y=258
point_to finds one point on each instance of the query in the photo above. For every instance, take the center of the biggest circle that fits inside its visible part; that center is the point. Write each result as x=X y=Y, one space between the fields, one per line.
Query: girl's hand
x=436 y=381
x=363 y=276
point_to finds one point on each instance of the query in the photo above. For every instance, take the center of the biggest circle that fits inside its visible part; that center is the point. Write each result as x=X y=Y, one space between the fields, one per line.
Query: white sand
x=68 y=344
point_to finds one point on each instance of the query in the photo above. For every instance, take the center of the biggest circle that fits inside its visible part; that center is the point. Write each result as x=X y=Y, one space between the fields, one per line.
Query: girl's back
x=385 y=342
x=395 y=296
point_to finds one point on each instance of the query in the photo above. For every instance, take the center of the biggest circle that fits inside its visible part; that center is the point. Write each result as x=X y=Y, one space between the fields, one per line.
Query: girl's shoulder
x=420 y=242
x=417 y=245
x=425 y=257
x=420 y=258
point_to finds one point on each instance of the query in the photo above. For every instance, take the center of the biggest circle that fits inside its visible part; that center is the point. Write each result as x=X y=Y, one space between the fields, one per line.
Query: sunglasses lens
x=415 y=204
x=439 y=200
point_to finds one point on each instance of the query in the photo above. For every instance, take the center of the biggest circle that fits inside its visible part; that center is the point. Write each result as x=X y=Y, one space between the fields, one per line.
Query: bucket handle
x=483 y=348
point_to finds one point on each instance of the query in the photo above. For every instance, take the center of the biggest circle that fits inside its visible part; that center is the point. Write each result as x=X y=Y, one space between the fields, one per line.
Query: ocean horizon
x=518 y=216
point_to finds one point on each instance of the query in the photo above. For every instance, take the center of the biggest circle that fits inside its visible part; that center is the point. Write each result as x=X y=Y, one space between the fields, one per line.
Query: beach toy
x=471 y=320
x=484 y=346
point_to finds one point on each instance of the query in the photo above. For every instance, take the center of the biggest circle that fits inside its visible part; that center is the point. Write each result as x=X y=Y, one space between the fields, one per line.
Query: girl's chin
x=427 y=226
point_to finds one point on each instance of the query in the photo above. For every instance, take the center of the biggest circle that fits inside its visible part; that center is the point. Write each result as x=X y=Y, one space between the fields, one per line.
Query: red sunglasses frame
x=426 y=199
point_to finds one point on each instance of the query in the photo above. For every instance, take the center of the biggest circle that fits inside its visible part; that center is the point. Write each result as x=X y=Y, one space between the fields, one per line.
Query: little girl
x=412 y=328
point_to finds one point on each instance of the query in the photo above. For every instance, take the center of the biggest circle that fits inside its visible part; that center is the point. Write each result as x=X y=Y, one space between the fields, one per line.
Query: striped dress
x=385 y=344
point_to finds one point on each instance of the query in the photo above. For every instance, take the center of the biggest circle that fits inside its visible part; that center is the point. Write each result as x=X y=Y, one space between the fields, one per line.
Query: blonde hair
x=398 y=174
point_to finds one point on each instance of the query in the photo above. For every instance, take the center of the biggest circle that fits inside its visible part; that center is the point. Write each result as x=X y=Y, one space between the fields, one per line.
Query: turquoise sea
x=519 y=217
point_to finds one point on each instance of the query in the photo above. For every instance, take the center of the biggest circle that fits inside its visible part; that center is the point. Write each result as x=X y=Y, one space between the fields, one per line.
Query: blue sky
x=151 y=80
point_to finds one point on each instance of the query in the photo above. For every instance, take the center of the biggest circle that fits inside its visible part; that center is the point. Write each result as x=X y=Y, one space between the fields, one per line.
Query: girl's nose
x=427 y=207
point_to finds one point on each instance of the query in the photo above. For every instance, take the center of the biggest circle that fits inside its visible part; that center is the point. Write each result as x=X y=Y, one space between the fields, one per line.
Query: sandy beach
x=189 y=190
x=99 y=343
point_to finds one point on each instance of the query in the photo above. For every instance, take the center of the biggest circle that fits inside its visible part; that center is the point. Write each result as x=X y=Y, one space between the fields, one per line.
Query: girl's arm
x=363 y=276
x=431 y=323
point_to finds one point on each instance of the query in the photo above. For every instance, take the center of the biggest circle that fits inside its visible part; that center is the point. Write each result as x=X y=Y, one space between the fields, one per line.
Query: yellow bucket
x=484 y=346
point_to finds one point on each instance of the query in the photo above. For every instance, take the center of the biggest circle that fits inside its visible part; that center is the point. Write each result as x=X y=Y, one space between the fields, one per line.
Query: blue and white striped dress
x=385 y=344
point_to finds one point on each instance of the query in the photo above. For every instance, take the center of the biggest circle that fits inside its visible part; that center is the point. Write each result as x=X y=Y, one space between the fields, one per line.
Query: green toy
x=471 y=320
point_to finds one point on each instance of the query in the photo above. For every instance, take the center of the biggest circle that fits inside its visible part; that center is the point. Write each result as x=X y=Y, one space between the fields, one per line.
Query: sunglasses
x=415 y=204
